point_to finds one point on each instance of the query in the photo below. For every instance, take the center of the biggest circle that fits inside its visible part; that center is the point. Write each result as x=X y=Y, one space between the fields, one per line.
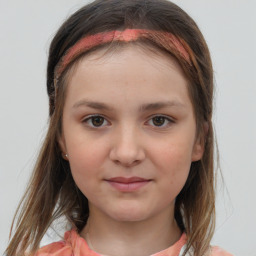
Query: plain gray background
x=26 y=29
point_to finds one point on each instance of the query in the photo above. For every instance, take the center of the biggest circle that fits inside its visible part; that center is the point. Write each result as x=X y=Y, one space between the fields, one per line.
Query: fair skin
x=133 y=158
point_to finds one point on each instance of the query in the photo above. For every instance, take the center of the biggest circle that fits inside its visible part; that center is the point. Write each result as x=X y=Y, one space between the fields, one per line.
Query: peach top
x=75 y=245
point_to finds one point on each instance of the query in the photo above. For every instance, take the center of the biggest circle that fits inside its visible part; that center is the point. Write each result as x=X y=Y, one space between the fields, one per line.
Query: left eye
x=160 y=121
x=95 y=121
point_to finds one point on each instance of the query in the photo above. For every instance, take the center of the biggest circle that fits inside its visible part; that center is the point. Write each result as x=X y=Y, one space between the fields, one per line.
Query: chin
x=129 y=214
x=129 y=218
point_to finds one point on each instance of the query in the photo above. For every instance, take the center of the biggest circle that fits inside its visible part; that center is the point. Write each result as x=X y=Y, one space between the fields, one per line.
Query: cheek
x=86 y=160
x=85 y=152
x=174 y=155
x=173 y=163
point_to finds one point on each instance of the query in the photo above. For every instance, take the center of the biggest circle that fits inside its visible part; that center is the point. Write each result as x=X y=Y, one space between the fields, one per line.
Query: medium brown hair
x=52 y=192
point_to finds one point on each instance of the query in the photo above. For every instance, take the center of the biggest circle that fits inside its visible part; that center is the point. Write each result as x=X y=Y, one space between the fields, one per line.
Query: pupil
x=97 y=121
x=158 y=121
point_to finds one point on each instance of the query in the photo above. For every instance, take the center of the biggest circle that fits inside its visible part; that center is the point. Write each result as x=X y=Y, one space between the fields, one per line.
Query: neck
x=141 y=238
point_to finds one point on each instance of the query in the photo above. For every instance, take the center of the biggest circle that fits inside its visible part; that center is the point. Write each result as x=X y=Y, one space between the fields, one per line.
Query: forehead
x=121 y=49
x=126 y=53
x=126 y=72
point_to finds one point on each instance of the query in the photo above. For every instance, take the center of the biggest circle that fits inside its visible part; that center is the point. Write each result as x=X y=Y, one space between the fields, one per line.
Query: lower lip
x=128 y=187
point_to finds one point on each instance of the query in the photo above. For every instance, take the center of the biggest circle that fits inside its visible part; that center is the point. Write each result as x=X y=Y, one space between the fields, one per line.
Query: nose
x=127 y=149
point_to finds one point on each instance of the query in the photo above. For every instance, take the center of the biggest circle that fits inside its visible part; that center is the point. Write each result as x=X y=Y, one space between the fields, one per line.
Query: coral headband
x=167 y=40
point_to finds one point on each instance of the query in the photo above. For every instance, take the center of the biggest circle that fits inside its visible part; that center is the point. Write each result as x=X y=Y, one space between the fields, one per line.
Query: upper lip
x=127 y=180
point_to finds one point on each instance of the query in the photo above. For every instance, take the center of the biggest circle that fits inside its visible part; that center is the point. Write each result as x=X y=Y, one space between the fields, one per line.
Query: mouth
x=124 y=184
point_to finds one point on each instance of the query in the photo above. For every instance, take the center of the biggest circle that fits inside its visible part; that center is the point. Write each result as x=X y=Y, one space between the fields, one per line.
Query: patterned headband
x=167 y=40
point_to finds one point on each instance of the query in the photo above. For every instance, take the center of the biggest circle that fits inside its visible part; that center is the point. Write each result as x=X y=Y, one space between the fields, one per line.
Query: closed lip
x=128 y=185
x=127 y=180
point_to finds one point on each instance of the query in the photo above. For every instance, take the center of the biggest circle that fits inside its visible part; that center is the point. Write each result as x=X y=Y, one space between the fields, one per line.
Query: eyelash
x=166 y=119
x=86 y=120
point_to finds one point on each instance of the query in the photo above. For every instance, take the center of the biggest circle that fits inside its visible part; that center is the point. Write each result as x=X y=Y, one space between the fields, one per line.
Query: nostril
x=127 y=150
x=127 y=164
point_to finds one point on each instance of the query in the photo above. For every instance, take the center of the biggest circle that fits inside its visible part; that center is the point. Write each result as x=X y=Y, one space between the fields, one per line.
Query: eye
x=95 y=121
x=160 y=121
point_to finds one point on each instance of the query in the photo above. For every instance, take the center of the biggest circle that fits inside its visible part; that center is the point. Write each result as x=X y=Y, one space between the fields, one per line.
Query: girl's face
x=129 y=132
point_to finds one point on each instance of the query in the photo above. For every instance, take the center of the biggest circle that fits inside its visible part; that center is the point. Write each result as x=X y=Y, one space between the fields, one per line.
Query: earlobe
x=62 y=145
x=199 y=145
x=65 y=156
x=198 y=151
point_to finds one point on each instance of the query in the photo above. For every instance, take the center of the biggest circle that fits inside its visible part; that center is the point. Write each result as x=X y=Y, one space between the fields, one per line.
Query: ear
x=62 y=145
x=198 y=149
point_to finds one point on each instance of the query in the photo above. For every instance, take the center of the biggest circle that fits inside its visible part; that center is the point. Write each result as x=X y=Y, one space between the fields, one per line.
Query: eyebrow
x=160 y=105
x=92 y=104
x=142 y=108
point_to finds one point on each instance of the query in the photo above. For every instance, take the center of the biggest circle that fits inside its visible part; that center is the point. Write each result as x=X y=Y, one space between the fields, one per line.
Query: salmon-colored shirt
x=75 y=245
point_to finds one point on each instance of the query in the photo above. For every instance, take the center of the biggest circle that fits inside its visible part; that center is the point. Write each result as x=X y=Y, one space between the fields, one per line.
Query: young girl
x=128 y=157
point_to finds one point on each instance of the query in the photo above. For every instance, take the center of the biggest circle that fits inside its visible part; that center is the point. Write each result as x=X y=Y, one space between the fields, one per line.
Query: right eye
x=95 y=121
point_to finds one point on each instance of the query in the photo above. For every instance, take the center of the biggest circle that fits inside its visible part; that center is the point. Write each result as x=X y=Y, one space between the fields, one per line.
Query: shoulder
x=71 y=243
x=55 y=249
x=217 y=251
